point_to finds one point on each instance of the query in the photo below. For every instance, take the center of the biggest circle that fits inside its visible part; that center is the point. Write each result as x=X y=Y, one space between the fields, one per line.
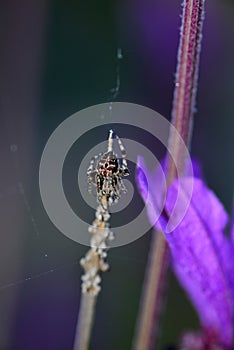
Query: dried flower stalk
x=182 y=118
x=105 y=172
x=93 y=263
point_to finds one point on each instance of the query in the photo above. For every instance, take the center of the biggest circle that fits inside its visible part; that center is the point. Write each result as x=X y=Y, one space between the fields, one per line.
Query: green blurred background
x=58 y=57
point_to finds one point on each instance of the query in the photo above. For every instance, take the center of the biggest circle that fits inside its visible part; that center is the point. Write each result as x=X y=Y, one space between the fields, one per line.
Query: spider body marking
x=105 y=172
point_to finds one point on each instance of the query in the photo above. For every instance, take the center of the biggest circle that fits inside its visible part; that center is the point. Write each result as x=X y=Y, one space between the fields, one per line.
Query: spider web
x=17 y=193
x=20 y=193
x=19 y=190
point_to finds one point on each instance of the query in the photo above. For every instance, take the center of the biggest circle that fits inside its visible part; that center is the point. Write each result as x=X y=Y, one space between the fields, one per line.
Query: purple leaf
x=201 y=254
x=156 y=181
x=201 y=258
x=155 y=198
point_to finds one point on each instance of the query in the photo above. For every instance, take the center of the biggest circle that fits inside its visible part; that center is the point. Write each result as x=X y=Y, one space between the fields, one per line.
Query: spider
x=105 y=172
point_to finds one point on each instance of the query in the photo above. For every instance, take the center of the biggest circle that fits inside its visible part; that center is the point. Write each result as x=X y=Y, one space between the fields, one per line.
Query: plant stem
x=152 y=292
x=182 y=119
x=94 y=262
x=85 y=321
x=186 y=78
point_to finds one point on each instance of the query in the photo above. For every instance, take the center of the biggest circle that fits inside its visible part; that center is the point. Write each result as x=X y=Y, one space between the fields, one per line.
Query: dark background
x=56 y=58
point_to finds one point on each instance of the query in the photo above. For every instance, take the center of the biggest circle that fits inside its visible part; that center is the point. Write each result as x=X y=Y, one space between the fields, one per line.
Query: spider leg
x=115 y=189
x=122 y=186
x=124 y=168
x=91 y=166
x=91 y=180
x=110 y=141
x=123 y=172
x=92 y=171
x=93 y=163
x=99 y=185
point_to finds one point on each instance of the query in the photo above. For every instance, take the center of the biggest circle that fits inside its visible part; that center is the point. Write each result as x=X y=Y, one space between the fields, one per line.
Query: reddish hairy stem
x=186 y=77
x=182 y=118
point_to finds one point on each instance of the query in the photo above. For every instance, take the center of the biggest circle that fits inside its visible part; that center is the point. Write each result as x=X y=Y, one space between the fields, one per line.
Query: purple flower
x=202 y=255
